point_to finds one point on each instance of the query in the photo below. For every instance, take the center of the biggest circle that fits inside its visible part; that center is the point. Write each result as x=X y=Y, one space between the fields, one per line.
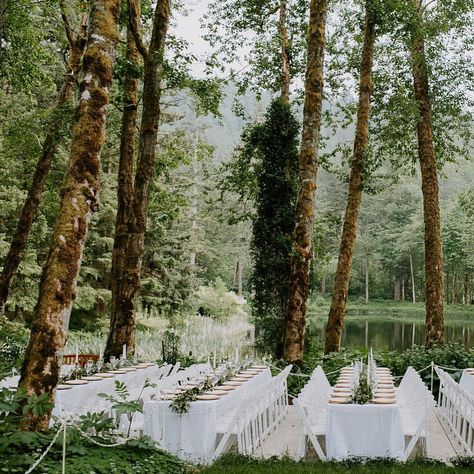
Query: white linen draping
x=467 y=382
x=80 y=399
x=364 y=430
x=193 y=435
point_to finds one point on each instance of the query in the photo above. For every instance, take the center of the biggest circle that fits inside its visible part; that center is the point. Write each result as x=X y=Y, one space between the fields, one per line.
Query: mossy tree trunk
x=434 y=273
x=79 y=199
x=53 y=137
x=349 y=229
x=125 y=174
x=294 y=325
x=122 y=325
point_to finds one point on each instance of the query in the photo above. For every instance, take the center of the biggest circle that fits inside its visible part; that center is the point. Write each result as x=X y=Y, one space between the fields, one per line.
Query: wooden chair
x=70 y=359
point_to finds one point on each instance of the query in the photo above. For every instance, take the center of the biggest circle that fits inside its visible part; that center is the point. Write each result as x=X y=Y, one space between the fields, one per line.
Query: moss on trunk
x=79 y=199
x=354 y=195
x=294 y=328
x=50 y=147
x=122 y=328
x=434 y=272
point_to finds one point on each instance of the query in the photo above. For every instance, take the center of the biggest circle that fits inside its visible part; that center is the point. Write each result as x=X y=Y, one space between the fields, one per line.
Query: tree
x=354 y=195
x=122 y=323
x=294 y=327
x=274 y=144
x=54 y=133
x=42 y=363
x=434 y=272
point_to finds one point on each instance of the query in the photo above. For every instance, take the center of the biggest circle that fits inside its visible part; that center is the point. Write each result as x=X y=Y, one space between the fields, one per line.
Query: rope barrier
x=46 y=451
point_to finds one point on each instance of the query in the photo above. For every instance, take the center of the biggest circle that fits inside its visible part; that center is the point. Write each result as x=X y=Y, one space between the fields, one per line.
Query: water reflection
x=392 y=335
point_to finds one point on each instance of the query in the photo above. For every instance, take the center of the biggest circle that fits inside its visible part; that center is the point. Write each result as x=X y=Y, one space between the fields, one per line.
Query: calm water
x=379 y=333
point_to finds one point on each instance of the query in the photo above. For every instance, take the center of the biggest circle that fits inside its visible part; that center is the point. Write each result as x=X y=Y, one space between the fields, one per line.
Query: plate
x=105 y=375
x=64 y=387
x=118 y=372
x=261 y=367
x=92 y=378
x=245 y=376
x=384 y=401
x=384 y=395
x=250 y=372
x=76 y=382
x=343 y=385
x=239 y=379
x=233 y=383
x=225 y=387
x=339 y=400
x=217 y=392
x=207 y=397
x=167 y=397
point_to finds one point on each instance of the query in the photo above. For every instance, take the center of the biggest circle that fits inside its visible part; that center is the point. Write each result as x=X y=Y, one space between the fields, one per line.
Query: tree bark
x=402 y=296
x=349 y=229
x=294 y=325
x=285 y=53
x=125 y=174
x=79 y=200
x=50 y=147
x=122 y=324
x=429 y=177
x=396 y=289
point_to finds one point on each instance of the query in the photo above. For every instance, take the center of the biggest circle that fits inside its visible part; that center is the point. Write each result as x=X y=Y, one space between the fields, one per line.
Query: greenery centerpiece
x=362 y=393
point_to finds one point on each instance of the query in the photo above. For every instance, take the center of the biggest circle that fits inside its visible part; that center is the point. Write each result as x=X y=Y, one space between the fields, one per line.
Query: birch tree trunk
x=50 y=146
x=122 y=324
x=294 y=325
x=79 y=200
x=349 y=230
x=366 y=282
x=434 y=273
x=125 y=175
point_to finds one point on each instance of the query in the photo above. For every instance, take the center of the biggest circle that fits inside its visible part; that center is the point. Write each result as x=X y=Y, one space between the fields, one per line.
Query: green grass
x=235 y=464
x=400 y=310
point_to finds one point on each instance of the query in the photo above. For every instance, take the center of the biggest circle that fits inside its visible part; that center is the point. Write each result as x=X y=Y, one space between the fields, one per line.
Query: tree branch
x=134 y=17
x=67 y=24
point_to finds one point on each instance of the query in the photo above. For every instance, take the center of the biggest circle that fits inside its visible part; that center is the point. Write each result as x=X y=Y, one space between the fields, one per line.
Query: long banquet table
x=193 y=435
x=80 y=399
x=467 y=381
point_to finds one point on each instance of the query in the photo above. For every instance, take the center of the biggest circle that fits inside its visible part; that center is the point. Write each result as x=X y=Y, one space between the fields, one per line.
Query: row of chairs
x=456 y=407
x=255 y=418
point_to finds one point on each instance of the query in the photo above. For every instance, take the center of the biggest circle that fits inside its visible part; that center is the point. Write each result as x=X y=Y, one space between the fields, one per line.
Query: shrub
x=13 y=341
x=215 y=301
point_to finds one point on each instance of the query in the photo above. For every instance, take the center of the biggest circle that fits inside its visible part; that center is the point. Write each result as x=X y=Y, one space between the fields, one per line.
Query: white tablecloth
x=467 y=382
x=80 y=399
x=364 y=430
x=192 y=435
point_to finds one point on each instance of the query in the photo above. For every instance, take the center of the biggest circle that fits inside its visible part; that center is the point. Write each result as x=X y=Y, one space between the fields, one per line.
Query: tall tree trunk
x=194 y=201
x=403 y=289
x=43 y=166
x=434 y=273
x=294 y=325
x=323 y=284
x=349 y=229
x=412 y=273
x=79 y=200
x=122 y=324
x=366 y=282
x=3 y=5
x=453 y=287
x=396 y=289
x=125 y=174
x=284 y=53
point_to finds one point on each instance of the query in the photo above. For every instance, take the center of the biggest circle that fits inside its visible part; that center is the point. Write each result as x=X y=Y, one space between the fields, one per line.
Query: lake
x=392 y=333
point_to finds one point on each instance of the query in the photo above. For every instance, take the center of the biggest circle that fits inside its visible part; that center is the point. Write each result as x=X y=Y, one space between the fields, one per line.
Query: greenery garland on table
x=363 y=392
x=181 y=402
